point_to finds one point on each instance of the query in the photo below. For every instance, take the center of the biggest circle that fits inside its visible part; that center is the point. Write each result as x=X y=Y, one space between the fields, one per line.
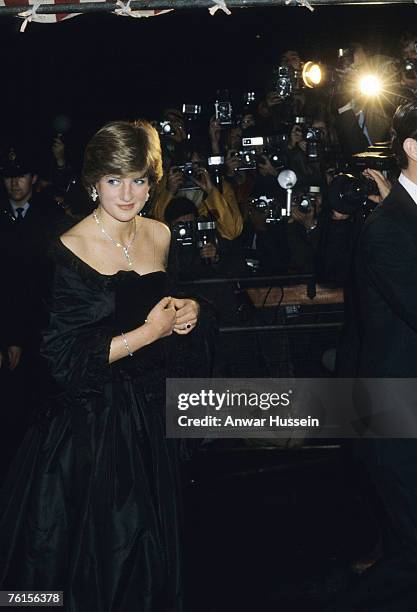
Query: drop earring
x=94 y=194
x=141 y=214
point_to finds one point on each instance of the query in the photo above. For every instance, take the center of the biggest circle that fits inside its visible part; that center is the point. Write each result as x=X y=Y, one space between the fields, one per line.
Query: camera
x=249 y=154
x=223 y=113
x=383 y=161
x=271 y=147
x=275 y=149
x=409 y=68
x=165 y=128
x=283 y=83
x=191 y=110
x=183 y=233
x=307 y=201
x=247 y=158
x=206 y=234
x=223 y=108
x=215 y=164
x=345 y=58
x=215 y=160
x=248 y=98
x=257 y=141
x=313 y=137
x=268 y=206
x=189 y=170
x=348 y=194
x=287 y=81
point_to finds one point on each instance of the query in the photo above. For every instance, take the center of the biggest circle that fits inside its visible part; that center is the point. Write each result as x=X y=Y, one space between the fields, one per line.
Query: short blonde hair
x=120 y=148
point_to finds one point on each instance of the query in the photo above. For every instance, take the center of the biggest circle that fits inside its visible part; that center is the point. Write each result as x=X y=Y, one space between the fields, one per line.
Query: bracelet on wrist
x=127 y=347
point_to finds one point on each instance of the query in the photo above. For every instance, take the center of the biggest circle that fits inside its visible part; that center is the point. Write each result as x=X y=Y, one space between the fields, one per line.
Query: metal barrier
x=290 y=323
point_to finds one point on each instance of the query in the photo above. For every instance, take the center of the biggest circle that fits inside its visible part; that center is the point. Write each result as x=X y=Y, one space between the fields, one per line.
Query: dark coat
x=386 y=271
x=32 y=235
x=23 y=252
x=13 y=322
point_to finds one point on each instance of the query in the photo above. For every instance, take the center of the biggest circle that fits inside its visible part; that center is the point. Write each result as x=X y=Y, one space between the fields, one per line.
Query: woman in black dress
x=90 y=503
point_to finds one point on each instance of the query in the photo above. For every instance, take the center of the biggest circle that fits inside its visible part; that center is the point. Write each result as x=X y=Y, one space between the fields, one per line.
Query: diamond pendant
x=126 y=252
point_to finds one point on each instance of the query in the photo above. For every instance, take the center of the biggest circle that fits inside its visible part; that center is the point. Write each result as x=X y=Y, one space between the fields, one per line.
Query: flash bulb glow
x=312 y=74
x=287 y=179
x=370 y=85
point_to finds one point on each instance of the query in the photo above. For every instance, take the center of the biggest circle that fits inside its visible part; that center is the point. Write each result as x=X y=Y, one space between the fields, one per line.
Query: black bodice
x=135 y=296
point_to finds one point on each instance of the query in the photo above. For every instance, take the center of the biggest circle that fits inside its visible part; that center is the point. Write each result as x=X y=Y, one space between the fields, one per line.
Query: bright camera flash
x=370 y=85
x=312 y=74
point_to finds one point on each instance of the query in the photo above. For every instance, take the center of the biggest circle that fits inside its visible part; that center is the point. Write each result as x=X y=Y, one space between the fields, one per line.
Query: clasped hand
x=171 y=314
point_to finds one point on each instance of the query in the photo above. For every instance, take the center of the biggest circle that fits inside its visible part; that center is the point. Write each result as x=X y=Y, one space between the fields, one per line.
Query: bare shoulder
x=76 y=238
x=159 y=232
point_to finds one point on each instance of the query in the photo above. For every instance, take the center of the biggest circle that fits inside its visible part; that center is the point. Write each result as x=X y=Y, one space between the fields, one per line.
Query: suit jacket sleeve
x=351 y=137
x=388 y=255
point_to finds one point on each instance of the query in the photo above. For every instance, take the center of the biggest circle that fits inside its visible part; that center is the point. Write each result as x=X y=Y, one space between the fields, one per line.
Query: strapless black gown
x=90 y=504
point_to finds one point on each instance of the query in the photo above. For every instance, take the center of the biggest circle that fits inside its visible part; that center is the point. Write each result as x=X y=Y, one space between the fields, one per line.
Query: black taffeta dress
x=90 y=504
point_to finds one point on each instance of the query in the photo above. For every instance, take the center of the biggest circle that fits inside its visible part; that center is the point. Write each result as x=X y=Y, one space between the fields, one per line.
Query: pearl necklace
x=117 y=244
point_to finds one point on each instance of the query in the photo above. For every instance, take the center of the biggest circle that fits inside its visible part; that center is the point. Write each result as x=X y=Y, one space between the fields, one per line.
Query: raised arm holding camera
x=194 y=177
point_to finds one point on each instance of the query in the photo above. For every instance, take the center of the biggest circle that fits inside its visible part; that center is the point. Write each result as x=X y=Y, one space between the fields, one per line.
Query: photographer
x=304 y=230
x=312 y=145
x=175 y=117
x=264 y=243
x=189 y=260
x=241 y=182
x=253 y=168
x=209 y=200
x=173 y=136
x=297 y=157
x=348 y=205
x=285 y=98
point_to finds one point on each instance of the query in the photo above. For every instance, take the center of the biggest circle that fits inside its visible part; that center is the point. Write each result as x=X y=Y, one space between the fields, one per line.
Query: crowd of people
x=275 y=186
x=221 y=191
x=313 y=132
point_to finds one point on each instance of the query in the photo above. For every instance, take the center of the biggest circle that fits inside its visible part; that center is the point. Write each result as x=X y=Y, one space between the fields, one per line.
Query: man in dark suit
x=27 y=219
x=386 y=278
x=27 y=225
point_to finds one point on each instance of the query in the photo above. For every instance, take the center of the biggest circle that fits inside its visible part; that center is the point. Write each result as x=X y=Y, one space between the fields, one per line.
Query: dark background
x=266 y=529
x=100 y=67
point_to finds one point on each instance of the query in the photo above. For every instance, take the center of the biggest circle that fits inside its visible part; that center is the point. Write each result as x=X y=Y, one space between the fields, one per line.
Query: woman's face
x=123 y=197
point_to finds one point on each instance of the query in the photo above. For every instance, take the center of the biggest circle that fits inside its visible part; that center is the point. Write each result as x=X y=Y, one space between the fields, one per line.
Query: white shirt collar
x=409 y=186
x=25 y=207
